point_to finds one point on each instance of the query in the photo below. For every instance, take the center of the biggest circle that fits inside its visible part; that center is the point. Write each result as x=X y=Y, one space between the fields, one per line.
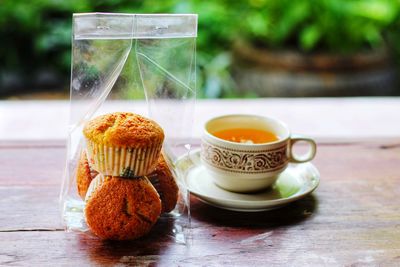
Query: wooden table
x=352 y=219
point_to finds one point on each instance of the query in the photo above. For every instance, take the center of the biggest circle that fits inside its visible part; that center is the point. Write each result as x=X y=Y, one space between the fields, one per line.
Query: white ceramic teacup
x=243 y=167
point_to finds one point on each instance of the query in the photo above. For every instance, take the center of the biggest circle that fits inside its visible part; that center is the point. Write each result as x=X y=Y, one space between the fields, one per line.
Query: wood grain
x=352 y=219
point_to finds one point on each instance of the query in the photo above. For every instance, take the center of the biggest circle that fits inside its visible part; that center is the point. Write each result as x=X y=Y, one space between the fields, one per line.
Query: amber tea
x=247 y=136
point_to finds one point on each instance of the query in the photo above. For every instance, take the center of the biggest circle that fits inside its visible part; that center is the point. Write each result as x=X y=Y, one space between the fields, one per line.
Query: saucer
x=296 y=182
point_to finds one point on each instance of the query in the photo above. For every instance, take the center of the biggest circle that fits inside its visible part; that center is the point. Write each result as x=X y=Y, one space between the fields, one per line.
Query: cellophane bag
x=139 y=63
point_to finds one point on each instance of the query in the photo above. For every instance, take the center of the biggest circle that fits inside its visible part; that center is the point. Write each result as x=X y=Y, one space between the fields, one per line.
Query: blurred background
x=245 y=48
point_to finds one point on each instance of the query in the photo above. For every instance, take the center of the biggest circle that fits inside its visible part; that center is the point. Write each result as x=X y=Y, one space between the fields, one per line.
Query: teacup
x=249 y=167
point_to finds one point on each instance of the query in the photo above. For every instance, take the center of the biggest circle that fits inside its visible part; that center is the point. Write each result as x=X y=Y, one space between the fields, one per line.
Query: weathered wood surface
x=352 y=219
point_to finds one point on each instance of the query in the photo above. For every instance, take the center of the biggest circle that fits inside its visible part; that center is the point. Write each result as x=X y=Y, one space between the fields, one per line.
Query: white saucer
x=296 y=182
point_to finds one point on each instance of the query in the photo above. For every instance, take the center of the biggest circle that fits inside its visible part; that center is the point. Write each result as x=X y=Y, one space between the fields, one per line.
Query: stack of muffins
x=123 y=176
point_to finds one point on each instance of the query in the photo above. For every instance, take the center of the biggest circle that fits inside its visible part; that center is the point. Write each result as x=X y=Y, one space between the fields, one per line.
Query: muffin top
x=122 y=209
x=123 y=129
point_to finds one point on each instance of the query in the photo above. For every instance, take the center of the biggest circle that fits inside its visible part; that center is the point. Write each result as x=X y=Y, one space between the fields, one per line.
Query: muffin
x=161 y=178
x=123 y=144
x=84 y=175
x=163 y=181
x=122 y=209
x=95 y=183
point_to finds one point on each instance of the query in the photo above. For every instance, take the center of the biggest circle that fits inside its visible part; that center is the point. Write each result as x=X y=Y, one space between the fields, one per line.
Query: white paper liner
x=123 y=162
x=94 y=184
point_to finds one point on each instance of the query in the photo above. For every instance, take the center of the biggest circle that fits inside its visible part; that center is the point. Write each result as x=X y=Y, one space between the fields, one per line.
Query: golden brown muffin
x=84 y=175
x=161 y=178
x=122 y=209
x=123 y=144
x=164 y=182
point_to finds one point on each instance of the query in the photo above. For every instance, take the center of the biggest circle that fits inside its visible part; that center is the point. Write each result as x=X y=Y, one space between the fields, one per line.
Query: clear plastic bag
x=118 y=59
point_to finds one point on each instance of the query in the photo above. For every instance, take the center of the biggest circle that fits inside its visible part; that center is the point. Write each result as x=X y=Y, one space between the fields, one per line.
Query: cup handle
x=305 y=157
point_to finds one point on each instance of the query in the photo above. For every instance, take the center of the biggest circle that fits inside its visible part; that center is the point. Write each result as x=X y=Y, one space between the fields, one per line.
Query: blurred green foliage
x=338 y=26
x=36 y=34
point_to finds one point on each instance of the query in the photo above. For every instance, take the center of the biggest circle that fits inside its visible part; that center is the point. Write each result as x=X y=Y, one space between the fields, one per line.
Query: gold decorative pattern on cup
x=245 y=161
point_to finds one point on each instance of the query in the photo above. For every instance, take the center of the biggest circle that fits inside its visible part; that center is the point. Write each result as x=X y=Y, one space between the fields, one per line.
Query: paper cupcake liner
x=94 y=184
x=123 y=162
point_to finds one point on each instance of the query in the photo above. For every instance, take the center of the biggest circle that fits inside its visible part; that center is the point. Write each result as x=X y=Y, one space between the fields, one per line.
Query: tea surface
x=248 y=136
